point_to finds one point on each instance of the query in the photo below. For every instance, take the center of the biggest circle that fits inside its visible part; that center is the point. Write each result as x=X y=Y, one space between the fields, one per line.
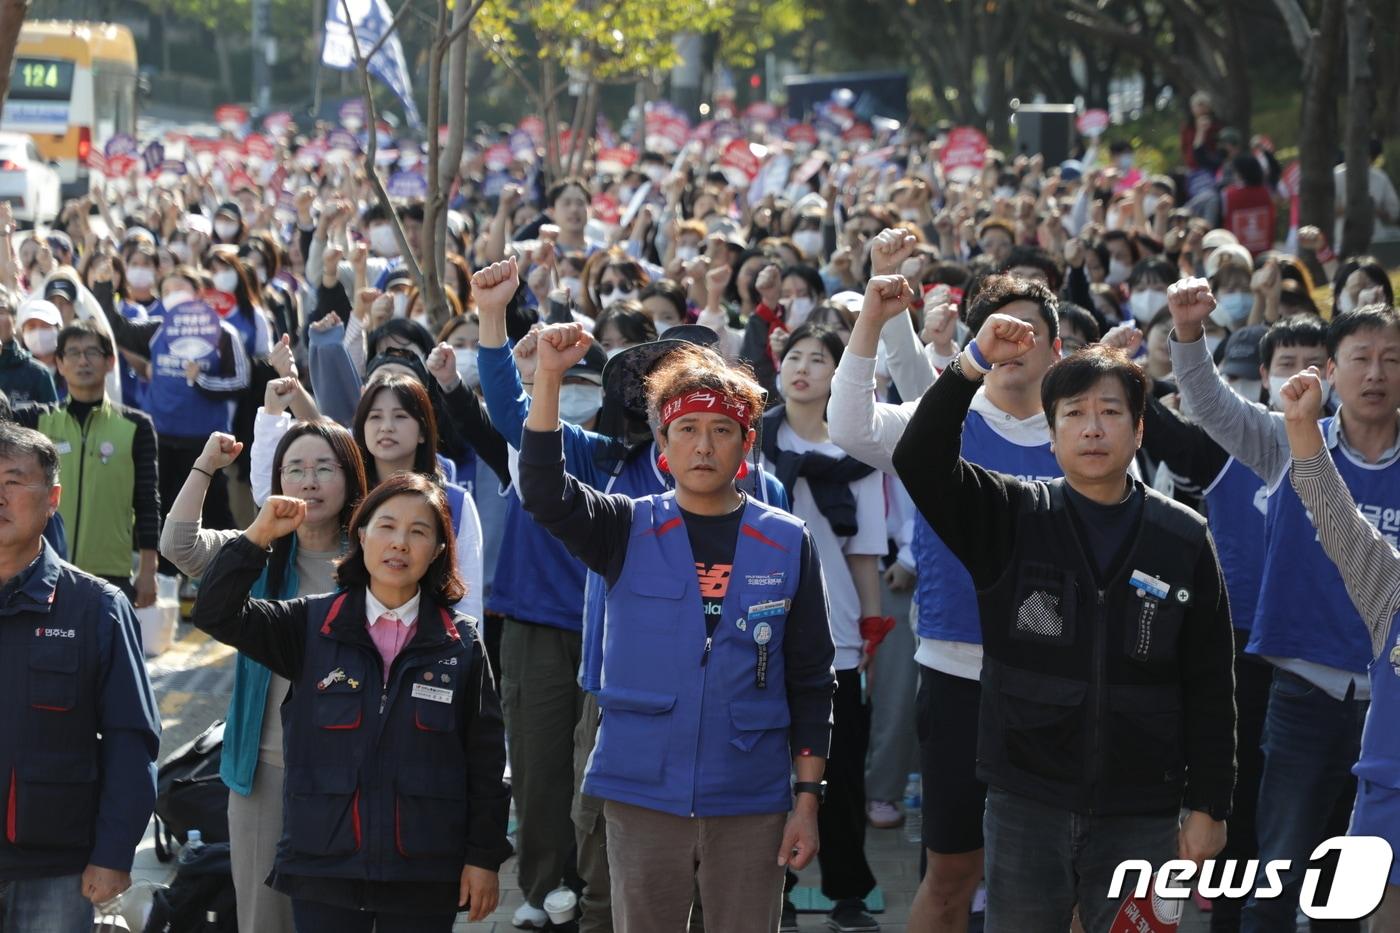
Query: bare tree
x=12 y=14
x=1318 y=46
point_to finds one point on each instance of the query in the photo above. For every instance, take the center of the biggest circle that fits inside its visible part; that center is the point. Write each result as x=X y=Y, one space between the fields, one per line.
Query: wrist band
x=978 y=360
x=205 y=472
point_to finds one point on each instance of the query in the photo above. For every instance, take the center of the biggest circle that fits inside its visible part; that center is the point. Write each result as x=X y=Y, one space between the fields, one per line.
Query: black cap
x=232 y=208
x=63 y=288
x=591 y=366
x=624 y=377
x=1241 y=359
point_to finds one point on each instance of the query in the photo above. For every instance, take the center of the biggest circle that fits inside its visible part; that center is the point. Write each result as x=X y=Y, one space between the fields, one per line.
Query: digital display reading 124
x=43 y=79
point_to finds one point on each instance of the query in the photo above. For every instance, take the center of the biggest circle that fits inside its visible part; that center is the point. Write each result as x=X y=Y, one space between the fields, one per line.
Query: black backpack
x=190 y=794
x=203 y=884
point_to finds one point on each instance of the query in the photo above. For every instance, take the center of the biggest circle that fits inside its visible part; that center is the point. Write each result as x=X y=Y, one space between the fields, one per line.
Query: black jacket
x=1096 y=696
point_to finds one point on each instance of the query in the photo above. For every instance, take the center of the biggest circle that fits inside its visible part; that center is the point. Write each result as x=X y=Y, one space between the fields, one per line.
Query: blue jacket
x=72 y=670
x=678 y=735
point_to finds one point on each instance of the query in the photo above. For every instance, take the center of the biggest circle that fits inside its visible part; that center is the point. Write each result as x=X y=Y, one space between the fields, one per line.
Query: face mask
x=809 y=241
x=1247 y=389
x=180 y=250
x=1212 y=342
x=579 y=404
x=1346 y=303
x=1232 y=309
x=422 y=321
x=1118 y=272
x=140 y=277
x=656 y=173
x=574 y=285
x=41 y=342
x=797 y=311
x=177 y=298
x=1149 y=203
x=1276 y=384
x=1113 y=220
x=1146 y=303
x=617 y=295
x=226 y=280
x=382 y=242
x=624 y=195
x=400 y=304
x=467 y=366
x=1004 y=191
x=687 y=253
x=226 y=229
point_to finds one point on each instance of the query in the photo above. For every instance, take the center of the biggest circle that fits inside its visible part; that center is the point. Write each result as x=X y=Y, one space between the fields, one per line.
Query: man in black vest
x=79 y=730
x=1107 y=679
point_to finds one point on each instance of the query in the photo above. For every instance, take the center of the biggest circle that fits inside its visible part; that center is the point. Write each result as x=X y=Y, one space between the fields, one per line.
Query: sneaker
x=850 y=917
x=883 y=814
x=529 y=918
x=788 y=924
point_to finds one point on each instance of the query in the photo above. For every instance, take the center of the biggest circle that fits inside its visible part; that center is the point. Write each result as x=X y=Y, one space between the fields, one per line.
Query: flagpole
x=318 y=27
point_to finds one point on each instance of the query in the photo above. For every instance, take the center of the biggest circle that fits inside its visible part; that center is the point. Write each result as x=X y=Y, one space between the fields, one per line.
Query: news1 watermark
x=1344 y=878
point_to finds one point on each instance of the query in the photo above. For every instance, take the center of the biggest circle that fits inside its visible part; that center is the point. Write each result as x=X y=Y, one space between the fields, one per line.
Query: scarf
x=829 y=478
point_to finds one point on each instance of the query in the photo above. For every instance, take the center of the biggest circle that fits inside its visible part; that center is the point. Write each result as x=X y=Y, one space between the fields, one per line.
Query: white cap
x=1218 y=238
x=1234 y=253
x=849 y=300
x=38 y=310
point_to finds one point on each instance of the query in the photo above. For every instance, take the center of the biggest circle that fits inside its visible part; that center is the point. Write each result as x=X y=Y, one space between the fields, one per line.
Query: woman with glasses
x=319 y=463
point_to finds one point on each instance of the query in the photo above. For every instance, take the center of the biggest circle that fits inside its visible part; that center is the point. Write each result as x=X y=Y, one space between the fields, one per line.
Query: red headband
x=701 y=401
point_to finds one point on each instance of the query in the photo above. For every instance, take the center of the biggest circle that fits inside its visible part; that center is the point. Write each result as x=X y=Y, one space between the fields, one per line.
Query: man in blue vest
x=79 y=739
x=717 y=657
x=1304 y=622
x=1005 y=431
x=1107 y=672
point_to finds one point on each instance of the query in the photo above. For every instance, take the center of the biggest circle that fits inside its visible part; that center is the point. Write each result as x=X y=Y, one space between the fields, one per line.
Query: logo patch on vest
x=42 y=632
x=1395 y=658
x=765 y=579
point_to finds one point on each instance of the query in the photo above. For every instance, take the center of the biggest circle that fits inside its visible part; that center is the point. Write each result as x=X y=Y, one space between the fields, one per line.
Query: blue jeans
x=1310 y=743
x=45 y=905
x=1042 y=860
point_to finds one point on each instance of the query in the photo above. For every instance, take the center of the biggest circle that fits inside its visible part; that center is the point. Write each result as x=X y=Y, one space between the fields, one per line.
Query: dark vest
x=1081 y=685
x=376 y=779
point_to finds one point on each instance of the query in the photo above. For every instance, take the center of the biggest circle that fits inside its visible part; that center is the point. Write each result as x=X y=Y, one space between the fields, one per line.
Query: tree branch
x=393 y=28
x=1300 y=32
x=464 y=24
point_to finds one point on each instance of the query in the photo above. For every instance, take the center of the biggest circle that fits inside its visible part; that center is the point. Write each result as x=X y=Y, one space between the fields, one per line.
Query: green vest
x=97 y=472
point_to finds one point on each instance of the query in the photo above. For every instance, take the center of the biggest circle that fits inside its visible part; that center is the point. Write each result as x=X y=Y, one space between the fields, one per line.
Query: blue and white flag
x=370 y=20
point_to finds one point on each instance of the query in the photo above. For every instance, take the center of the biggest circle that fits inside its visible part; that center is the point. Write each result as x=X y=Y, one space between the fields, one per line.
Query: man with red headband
x=717 y=657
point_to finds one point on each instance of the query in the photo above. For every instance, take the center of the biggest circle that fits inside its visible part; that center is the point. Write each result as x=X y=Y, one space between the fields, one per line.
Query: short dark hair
x=85 y=328
x=1080 y=319
x=669 y=290
x=16 y=442
x=827 y=335
x=557 y=190
x=1160 y=268
x=632 y=323
x=1297 y=330
x=1366 y=317
x=998 y=291
x=810 y=276
x=1080 y=370
x=1036 y=258
x=441 y=581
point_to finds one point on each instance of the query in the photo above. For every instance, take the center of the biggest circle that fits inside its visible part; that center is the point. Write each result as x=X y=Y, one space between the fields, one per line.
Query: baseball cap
x=61 y=288
x=39 y=310
x=1241 y=359
x=1235 y=253
x=591 y=366
x=1218 y=238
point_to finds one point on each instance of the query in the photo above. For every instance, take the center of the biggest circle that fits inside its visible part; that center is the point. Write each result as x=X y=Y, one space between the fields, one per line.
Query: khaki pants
x=255 y=825
x=656 y=859
x=590 y=832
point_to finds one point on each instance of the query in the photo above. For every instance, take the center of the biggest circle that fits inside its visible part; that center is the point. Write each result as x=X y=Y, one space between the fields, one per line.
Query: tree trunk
x=1318 y=119
x=12 y=13
x=551 y=123
x=1361 y=89
x=430 y=284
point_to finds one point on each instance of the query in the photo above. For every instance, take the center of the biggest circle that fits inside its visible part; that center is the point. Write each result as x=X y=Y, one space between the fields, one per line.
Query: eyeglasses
x=91 y=354
x=323 y=473
x=607 y=288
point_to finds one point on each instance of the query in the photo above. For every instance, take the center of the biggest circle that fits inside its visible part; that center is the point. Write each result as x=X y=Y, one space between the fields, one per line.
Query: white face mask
x=226 y=280
x=579 y=404
x=1247 y=389
x=176 y=298
x=656 y=173
x=1232 y=309
x=1149 y=203
x=226 y=229
x=575 y=286
x=798 y=311
x=140 y=277
x=1118 y=272
x=1346 y=302
x=809 y=241
x=686 y=252
x=617 y=295
x=41 y=341
x=467 y=366
x=1276 y=384
x=1113 y=220
x=382 y=241
x=400 y=304
x=1146 y=302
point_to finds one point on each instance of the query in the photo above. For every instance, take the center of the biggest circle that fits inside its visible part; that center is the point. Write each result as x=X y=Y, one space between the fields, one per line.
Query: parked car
x=29 y=183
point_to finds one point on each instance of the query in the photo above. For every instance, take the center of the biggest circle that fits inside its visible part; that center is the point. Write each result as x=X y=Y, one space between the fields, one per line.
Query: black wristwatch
x=811 y=787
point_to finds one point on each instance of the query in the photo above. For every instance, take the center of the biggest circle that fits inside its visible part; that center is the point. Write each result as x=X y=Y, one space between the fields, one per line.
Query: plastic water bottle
x=211 y=921
x=194 y=844
x=913 y=810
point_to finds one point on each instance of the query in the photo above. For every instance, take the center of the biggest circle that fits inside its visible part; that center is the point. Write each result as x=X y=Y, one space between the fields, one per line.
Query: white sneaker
x=529 y=918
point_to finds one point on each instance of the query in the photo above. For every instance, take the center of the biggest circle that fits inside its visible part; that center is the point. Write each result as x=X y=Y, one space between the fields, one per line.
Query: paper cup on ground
x=560 y=906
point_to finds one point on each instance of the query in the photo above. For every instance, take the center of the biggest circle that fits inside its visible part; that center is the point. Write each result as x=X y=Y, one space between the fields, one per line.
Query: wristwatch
x=810 y=787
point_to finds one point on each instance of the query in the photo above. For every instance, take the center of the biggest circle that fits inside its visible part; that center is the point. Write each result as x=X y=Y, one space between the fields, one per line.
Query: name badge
x=766 y=610
x=1148 y=585
x=63 y=447
x=436 y=694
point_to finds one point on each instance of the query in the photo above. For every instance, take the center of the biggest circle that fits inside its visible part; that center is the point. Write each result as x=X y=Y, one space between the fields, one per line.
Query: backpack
x=190 y=794
x=201 y=885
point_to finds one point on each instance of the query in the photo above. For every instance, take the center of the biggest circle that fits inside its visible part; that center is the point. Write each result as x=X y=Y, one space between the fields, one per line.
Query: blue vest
x=521 y=590
x=1236 y=504
x=191 y=330
x=947 y=599
x=376 y=783
x=677 y=735
x=1304 y=610
x=1380 y=740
